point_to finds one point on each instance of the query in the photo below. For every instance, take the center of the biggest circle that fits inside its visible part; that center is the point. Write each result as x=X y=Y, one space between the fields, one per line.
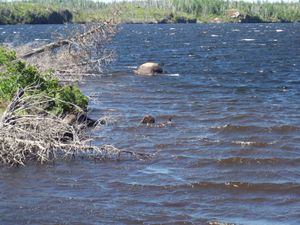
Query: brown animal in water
x=148 y=69
x=150 y=122
x=148 y=119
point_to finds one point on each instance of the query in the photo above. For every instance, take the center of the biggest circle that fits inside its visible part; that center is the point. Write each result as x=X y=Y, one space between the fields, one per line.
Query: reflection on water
x=231 y=154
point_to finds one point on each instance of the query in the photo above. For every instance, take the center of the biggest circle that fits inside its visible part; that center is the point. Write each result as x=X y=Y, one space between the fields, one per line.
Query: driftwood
x=29 y=132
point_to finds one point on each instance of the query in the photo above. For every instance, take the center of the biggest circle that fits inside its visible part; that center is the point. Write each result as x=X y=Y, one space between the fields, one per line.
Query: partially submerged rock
x=149 y=69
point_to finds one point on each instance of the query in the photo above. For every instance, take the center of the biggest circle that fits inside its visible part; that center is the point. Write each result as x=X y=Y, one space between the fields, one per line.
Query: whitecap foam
x=41 y=39
x=248 y=39
x=172 y=28
x=278 y=30
x=254 y=143
x=173 y=75
x=244 y=143
x=131 y=67
x=214 y=35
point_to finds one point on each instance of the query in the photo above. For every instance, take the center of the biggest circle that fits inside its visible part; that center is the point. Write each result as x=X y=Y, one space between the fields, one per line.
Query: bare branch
x=84 y=51
x=29 y=132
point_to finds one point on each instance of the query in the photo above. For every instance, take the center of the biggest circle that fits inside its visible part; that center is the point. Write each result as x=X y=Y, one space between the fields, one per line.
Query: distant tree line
x=266 y=11
x=29 y=13
x=65 y=11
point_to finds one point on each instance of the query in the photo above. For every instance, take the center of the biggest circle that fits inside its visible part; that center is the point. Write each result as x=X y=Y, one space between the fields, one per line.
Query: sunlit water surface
x=231 y=155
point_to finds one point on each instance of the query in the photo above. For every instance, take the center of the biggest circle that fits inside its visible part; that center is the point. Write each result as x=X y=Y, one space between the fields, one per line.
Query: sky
x=243 y=0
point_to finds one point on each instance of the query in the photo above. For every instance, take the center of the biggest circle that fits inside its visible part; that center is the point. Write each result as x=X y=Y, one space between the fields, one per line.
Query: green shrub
x=6 y=56
x=15 y=75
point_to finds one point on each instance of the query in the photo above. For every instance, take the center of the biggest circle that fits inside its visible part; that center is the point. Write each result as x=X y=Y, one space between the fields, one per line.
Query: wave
x=173 y=75
x=259 y=144
x=282 y=129
x=233 y=161
x=243 y=143
x=288 y=187
x=247 y=39
x=246 y=161
x=41 y=39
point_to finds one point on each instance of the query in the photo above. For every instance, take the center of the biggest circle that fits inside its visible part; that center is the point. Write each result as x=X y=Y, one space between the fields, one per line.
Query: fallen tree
x=33 y=124
x=79 y=52
x=28 y=131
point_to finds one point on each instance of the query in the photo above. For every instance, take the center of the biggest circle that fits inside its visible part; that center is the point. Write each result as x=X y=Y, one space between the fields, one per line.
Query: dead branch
x=47 y=47
x=29 y=132
x=81 y=50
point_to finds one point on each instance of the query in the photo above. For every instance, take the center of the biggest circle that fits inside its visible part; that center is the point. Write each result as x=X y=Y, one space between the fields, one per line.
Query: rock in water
x=148 y=69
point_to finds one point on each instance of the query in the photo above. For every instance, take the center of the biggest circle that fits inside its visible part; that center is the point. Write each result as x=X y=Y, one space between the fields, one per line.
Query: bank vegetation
x=44 y=116
x=148 y=11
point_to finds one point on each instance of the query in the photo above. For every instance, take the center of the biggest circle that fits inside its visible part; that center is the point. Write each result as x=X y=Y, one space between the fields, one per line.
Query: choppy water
x=232 y=154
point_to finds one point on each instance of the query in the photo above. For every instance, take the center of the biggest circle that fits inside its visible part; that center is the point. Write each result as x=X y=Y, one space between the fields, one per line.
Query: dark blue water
x=232 y=154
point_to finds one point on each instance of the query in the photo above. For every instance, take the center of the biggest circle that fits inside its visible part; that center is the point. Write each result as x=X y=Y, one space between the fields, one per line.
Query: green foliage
x=264 y=11
x=16 y=75
x=67 y=94
x=6 y=56
x=81 y=11
x=29 y=13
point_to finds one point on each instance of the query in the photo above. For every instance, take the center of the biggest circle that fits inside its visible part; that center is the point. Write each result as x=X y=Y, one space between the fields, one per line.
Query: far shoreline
x=161 y=23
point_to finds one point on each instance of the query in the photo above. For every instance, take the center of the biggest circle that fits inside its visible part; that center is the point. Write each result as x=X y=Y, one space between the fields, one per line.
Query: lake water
x=232 y=154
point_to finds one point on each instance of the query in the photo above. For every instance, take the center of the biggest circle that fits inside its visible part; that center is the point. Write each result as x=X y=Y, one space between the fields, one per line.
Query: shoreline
x=157 y=22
